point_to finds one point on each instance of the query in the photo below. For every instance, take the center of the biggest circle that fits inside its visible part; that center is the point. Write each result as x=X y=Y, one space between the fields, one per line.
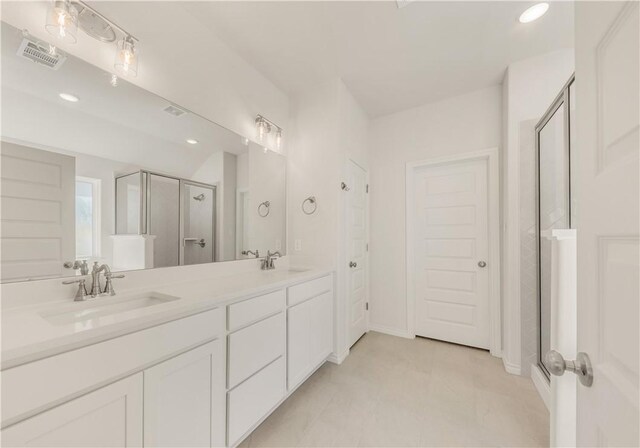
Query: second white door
x=357 y=251
x=451 y=250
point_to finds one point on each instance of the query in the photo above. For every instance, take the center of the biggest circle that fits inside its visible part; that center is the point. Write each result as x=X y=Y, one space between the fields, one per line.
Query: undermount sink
x=103 y=306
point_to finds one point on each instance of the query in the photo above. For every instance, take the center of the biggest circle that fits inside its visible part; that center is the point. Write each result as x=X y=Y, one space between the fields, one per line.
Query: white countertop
x=27 y=336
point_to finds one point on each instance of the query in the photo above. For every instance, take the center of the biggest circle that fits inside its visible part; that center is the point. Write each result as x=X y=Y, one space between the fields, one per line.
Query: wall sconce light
x=62 y=21
x=279 y=139
x=264 y=126
x=126 y=62
x=64 y=18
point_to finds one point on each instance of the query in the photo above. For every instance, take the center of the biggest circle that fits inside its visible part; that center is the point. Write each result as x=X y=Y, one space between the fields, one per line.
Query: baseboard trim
x=390 y=331
x=511 y=368
x=542 y=385
x=338 y=359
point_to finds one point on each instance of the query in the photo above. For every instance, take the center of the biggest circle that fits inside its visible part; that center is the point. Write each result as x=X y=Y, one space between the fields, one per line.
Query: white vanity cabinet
x=110 y=416
x=256 y=375
x=184 y=399
x=207 y=379
x=309 y=328
x=160 y=386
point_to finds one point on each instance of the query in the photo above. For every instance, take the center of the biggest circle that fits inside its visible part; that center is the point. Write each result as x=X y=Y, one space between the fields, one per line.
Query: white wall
x=456 y=125
x=329 y=128
x=267 y=182
x=529 y=88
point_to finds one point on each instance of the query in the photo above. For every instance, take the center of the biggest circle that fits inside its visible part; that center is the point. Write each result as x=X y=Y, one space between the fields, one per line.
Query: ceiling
x=390 y=59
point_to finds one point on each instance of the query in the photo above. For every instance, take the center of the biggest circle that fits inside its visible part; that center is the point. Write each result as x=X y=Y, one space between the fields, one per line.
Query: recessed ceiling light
x=69 y=97
x=534 y=12
x=192 y=141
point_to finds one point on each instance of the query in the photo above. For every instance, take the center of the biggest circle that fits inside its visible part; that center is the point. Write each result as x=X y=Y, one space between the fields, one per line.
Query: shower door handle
x=200 y=242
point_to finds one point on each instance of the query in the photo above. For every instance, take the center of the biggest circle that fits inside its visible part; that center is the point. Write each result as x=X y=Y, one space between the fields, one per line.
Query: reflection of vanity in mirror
x=95 y=168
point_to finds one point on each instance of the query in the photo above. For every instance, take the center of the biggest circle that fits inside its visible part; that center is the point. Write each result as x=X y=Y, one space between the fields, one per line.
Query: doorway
x=357 y=248
x=453 y=250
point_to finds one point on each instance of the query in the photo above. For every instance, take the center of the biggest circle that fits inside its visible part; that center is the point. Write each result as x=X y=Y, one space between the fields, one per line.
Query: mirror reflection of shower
x=173 y=218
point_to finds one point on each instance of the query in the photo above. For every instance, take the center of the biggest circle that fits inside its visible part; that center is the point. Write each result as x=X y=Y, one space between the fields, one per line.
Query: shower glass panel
x=553 y=204
x=163 y=206
x=198 y=217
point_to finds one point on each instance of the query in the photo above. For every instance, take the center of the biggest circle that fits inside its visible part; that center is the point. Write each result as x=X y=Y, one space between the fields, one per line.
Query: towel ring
x=312 y=201
x=264 y=209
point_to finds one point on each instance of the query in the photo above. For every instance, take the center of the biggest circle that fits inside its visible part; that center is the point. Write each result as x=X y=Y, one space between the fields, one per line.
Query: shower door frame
x=145 y=199
x=563 y=98
x=214 y=188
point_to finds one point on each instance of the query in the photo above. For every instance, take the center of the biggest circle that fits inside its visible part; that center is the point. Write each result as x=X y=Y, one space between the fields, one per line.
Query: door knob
x=482 y=263
x=353 y=264
x=556 y=364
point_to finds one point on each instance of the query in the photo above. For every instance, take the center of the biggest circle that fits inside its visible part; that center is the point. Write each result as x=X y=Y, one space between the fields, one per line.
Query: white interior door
x=563 y=335
x=608 y=78
x=357 y=251
x=451 y=247
x=38 y=212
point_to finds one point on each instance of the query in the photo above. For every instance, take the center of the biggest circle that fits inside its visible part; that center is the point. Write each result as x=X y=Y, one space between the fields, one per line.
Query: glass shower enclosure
x=177 y=215
x=554 y=206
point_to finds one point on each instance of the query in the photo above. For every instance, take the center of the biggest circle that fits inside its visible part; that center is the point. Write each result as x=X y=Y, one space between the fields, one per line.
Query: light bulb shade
x=279 y=139
x=62 y=21
x=126 y=62
x=262 y=129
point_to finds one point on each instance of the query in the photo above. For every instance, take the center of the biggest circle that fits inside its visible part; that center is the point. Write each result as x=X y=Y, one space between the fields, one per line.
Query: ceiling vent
x=40 y=53
x=174 y=110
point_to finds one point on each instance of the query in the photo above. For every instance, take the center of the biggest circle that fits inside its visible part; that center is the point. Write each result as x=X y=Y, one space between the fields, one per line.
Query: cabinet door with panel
x=108 y=417
x=184 y=399
x=309 y=336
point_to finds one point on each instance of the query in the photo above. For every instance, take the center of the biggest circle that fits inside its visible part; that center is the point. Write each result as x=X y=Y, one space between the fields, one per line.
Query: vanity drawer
x=252 y=310
x=253 y=399
x=303 y=291
x=36 y=386
x=252 y=348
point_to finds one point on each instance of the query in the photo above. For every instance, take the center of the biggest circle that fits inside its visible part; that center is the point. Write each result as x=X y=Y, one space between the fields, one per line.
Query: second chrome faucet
x=267 y=262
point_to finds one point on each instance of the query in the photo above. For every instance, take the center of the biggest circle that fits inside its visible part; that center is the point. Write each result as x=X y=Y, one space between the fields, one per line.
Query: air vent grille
x=174 y=110
x=38 y=53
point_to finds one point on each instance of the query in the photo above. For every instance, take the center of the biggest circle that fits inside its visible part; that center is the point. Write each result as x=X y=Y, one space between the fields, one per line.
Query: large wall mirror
x=97 y=169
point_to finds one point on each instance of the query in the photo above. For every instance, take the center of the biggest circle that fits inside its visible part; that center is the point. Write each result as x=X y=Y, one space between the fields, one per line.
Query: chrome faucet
x=108 y=287
x=96 y=289
x=95 y=280
x=81 y=293
x=78 y=265
x=251 y=252
x=267 y=262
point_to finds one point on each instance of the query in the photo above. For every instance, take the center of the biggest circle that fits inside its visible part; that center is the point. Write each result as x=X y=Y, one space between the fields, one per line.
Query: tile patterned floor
x=395 y=392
